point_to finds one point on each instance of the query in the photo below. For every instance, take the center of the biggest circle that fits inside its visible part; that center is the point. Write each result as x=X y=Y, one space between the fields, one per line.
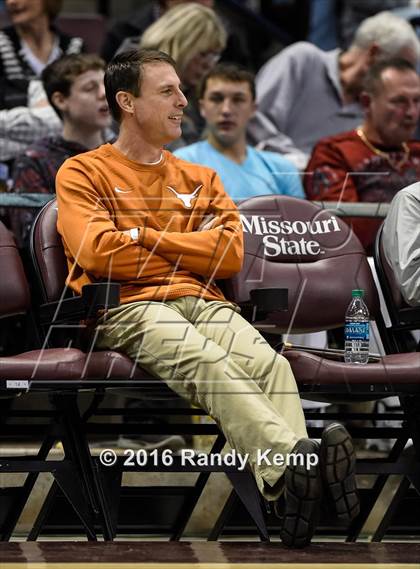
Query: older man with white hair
x=305 y=93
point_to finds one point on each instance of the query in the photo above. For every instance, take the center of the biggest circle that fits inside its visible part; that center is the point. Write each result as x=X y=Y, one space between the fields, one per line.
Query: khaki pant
x=207 y=353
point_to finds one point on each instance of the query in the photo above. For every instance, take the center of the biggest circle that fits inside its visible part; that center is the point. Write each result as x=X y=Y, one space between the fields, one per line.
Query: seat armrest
x=263 y=301
x=100 y=296
x=95 y=297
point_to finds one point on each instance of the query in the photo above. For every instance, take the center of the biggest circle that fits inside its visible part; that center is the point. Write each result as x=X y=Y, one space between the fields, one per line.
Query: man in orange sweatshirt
x=166 y=230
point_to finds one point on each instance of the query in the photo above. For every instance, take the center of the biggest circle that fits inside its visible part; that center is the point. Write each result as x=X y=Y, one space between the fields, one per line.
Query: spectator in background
x=251 y=39
x=305 y=94
x=194 y=36
x=227 y=102
x=26 y=47
x=353 y=12
x=401 y=240
x=136 y=24
x=75 y=88
x=374 y=161
x=21 y=126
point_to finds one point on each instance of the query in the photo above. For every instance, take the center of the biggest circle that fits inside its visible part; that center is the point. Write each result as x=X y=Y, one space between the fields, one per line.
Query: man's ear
x=125 y=101
x=254 y=108
x=59 y=100
x=373 y=52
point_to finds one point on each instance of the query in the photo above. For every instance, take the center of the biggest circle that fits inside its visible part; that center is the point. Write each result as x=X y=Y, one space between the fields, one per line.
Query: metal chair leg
x=76 y=448
x=194 y=494
x=22 y=498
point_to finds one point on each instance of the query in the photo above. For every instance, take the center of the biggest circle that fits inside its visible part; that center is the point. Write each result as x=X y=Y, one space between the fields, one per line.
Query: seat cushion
x=113 y=367
x=108 y=364
x=56 y=364
x=393 y=369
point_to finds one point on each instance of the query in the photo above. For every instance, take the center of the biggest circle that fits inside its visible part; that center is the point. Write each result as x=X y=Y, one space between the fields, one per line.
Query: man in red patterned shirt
x=374 y=161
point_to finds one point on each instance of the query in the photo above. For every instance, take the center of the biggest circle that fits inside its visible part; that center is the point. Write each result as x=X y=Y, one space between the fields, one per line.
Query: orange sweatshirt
x=102 y=193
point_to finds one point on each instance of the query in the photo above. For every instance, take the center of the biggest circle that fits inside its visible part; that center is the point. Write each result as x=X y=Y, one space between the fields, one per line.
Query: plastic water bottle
x=356 y=331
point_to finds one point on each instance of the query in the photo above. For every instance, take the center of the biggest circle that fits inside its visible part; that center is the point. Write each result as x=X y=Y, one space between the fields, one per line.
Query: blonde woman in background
x=194 y=36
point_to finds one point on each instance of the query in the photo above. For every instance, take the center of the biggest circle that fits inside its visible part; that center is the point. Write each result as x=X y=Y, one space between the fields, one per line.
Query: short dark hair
x=125 y=73
x=373 y=77
x=229 y=72
x=53 y=8
x=61 y=73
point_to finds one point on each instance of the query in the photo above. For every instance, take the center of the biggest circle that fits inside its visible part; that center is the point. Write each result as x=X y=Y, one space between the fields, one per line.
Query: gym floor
x=202 y=555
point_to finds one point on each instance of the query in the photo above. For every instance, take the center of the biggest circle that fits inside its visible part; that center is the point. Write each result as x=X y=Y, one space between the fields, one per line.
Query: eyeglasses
x=209 y=56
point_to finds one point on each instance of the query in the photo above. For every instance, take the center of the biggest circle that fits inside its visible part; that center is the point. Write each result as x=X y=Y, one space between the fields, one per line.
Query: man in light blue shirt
x=227 y=103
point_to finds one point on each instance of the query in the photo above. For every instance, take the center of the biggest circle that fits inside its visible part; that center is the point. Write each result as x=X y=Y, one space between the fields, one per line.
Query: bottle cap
x=357 y=292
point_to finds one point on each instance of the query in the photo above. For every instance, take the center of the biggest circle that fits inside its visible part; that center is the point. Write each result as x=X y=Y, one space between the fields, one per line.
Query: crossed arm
x=211 y=248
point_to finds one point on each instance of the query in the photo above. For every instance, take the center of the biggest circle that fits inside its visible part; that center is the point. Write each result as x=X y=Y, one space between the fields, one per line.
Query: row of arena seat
x=62 y=373
x=289 y=244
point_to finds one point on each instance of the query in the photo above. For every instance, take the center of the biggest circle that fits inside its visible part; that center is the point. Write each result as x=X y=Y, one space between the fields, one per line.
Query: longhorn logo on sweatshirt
x=186 y=198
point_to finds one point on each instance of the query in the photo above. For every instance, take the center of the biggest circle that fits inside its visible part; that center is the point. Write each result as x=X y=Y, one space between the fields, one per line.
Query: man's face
x=86 y=105
x=393 y=111
x=159 y=108
x=227 y=107
x=24 y=11
x=358 y=62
